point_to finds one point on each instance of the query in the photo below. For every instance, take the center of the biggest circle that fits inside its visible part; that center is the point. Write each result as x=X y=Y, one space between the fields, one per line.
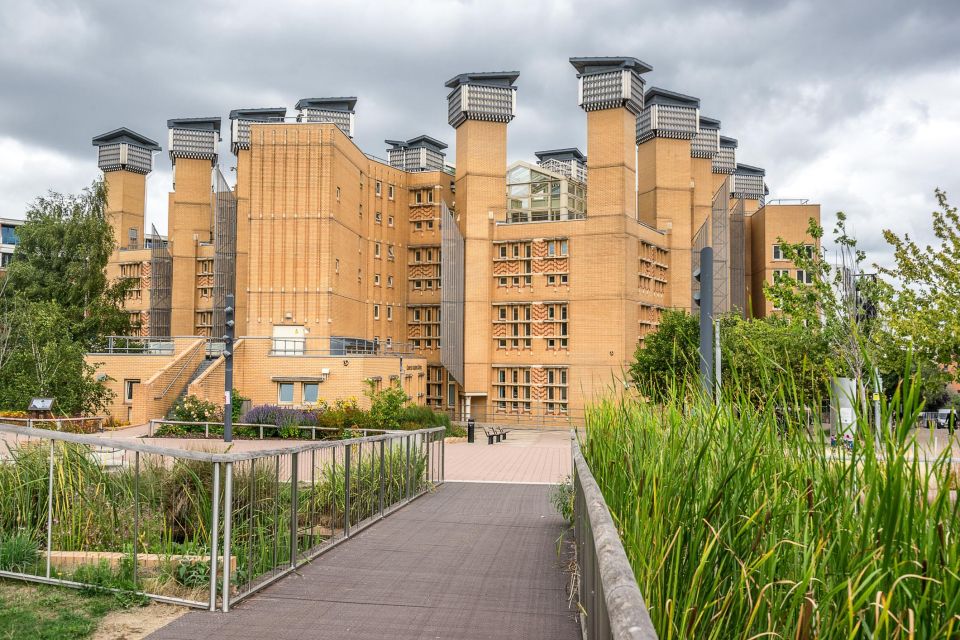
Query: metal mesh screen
x=737 y=253
x=224 y=247
x=720 y=240
x=161 y=280
x=701 y=239
x=451 y=309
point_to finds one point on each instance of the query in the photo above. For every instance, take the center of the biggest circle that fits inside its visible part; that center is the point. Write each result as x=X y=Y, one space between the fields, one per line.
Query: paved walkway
x=469 y=561
x=525 y=456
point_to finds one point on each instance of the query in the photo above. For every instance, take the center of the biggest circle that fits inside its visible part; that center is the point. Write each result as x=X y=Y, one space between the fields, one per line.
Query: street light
x=229 y=324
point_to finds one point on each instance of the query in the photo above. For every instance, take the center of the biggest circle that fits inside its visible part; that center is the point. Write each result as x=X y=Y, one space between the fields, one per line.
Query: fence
x=197 y=528
x=89 y=424
x=610 y=602
x=261 y=431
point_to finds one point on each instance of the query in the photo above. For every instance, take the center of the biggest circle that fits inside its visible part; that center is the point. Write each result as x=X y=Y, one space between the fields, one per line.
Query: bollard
x=471 y=430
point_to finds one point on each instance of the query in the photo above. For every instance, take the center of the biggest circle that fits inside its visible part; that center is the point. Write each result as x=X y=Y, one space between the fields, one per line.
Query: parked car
x=946 y=418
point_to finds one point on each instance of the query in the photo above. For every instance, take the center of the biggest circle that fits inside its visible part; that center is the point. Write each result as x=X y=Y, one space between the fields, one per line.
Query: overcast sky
x=852 y=104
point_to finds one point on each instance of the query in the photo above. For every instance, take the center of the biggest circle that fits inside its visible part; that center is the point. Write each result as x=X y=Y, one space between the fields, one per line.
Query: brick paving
x=469 y=561
x=527 y=456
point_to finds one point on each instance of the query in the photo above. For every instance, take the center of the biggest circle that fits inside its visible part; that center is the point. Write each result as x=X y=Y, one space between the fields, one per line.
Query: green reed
x=741 y=522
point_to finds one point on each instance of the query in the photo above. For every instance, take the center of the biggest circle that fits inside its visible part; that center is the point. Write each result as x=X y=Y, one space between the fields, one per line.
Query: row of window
x=778 y=251
x=378 y=190
x=553 y=280
x=803 y=277
x=309 y=392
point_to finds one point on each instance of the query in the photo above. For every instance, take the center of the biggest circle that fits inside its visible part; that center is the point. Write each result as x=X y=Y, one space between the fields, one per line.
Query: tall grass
x=95 y=508
x=741 y=523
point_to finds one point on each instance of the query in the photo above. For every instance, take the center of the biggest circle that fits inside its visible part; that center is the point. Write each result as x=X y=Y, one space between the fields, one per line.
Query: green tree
x=764 y=360
x=668 y=358
x=39 y=357
x=830 y=304
x=923 y=294
x=62 y=254
x=387 y=407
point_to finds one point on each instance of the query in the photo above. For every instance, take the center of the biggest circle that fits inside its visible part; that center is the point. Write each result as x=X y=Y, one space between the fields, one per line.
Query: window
x=390 y=254
x=338 y=194
x=777 y=252
x=376 y=279
x=133 y=238
x=389 y=313
x=389 y=341
x=502 y=282
x=430 y=195
x=378 y=188
x=389 y=282
x=129 y=387
x=5 y=259
x=285 y=393
x=563 y=247
x=418 y=226
x=376 y=312
x=451 y=394
x=809 y=249
x=389 y=221
x=336 y=265
x=418 y=196
x=376 y=249
x=310 y=390
x=780 y=273
x=804 y=277
x=390 y=191
x=416 y=315
x=503 y=251
x=378 y=217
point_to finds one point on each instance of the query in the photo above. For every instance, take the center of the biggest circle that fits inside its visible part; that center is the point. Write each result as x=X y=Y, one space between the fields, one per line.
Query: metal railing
x=610 y=602
x=199 y=528
x=262 y=430
x=89 y=424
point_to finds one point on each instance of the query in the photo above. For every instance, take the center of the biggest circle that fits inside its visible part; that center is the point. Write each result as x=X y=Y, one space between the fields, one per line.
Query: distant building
x=8 y=239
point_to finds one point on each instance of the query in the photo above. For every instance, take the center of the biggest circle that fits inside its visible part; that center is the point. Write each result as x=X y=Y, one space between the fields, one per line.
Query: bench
x=495 y=434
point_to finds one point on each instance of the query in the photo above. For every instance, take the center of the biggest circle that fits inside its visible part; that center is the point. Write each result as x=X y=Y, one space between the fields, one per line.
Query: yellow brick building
x=503 y=293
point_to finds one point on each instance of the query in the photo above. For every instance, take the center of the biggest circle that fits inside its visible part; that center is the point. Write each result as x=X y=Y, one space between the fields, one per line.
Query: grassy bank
x=50 y=613
x=740 y=525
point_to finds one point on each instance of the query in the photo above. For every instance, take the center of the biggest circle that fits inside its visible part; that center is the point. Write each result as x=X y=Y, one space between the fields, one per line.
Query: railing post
x=346 y=491
x=381 y=478
x=50 y=508
x=206 y=429
x=227 y=517
x=214 y=535
x=136 y=511
x=294 y=511
x=443 y=456
x=407 y=477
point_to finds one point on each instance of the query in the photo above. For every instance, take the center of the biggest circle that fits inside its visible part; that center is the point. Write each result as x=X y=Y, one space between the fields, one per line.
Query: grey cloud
x=789 y=79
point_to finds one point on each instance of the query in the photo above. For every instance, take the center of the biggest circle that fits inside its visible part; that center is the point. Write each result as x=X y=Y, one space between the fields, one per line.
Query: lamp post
x=229 y=324
x=704 y=275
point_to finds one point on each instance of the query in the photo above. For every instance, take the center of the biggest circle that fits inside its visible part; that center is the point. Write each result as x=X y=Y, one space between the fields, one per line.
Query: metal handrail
x=609 y=596
x=206 y=456
x=186 y=355
x=261 y=427
x=428 y=444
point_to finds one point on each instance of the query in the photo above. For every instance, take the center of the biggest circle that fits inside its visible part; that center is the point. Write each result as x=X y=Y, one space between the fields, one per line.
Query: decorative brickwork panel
x=556 y=265
x=506 y=267
x=499 y=330
x=422 y=213
x=539 y=249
